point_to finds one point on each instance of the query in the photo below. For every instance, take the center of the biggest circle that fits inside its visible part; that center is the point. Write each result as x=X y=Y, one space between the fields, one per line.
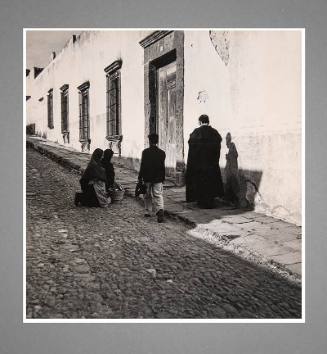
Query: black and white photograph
x=164 y=175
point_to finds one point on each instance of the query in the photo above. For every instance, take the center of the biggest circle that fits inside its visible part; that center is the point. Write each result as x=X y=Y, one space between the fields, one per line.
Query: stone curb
x=55 y=157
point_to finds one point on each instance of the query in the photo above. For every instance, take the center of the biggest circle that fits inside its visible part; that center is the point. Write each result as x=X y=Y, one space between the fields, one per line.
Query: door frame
x=160 y=49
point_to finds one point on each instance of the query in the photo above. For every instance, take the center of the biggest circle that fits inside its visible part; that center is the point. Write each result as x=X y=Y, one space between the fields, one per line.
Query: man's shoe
x=160 y=216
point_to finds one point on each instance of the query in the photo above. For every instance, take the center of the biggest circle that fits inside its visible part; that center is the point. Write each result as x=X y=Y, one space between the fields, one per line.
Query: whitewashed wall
x=85 y=60
x=31 y=104
x=250 y=86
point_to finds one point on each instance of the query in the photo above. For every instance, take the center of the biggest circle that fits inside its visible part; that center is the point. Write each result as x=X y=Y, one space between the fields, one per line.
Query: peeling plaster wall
x=85 y=60
x=249 y=83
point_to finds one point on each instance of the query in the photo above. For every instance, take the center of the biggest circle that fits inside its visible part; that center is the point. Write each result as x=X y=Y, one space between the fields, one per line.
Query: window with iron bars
x=50 y=109
x=64 y=109
x=113 y=103
x=84 y=119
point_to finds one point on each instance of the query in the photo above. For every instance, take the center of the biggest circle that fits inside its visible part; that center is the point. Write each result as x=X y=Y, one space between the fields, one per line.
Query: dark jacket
x=152 y=165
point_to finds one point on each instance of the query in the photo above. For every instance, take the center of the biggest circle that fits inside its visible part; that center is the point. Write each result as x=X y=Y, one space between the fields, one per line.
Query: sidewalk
x=259 y=238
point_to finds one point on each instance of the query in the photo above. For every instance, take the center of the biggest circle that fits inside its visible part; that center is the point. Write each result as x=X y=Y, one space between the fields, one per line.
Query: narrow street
x=114 y=263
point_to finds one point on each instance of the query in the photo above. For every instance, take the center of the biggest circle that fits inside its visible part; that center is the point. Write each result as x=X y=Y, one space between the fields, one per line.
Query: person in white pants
x=153 y=199
x=152 y=173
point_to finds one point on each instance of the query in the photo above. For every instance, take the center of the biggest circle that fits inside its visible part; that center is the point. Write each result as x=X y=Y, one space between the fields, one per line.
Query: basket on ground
x=117 y=195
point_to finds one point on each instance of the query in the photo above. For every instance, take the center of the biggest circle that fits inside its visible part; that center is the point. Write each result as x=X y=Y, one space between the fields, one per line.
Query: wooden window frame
x=113 y=82
x=50 y=109
x=64 y=95
x=84 y=115
x=64 y=108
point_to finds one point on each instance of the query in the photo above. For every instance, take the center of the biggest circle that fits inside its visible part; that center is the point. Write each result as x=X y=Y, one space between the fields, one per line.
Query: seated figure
x=93 y=184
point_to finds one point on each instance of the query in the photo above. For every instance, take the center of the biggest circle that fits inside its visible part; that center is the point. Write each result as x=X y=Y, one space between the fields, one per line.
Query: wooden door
x=166 y=113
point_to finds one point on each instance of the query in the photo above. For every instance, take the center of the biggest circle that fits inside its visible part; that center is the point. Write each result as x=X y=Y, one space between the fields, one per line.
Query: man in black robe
x=203 y=176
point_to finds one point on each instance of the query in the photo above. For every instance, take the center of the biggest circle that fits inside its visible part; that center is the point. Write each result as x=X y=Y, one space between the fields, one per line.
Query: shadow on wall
x=241 y=186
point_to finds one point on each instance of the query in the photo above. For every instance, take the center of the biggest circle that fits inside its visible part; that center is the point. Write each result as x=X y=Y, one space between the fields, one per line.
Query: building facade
x=112 y=88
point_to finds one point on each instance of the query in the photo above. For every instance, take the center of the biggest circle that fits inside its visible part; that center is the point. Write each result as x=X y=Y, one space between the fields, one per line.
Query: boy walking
x=152 y=173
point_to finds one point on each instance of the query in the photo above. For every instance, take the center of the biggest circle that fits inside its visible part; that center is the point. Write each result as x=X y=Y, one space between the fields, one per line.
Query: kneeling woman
x=109 y=169
x=93 y=184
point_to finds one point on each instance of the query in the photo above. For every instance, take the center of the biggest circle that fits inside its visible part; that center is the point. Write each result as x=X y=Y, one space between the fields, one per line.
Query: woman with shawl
x=93 y=184
x=109 y=169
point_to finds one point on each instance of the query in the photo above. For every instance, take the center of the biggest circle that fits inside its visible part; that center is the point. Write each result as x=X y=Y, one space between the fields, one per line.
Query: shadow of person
x=232 y=188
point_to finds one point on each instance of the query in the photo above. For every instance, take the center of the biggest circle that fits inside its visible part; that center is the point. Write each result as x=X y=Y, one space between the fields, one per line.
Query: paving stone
x=82 y=268
x=273 y=250
x=287 y=259
x=221 y=228
x=295 y=245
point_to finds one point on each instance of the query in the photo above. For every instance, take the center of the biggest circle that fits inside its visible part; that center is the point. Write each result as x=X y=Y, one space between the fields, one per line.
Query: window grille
x=113 y=100
x=64 y=109
x=84 y=119
x=50 y=109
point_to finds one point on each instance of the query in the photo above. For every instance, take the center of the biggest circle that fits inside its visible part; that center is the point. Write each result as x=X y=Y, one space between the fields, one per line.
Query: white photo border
x=171 y=321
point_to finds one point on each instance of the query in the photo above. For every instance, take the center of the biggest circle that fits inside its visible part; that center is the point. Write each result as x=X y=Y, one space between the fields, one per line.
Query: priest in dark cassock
x=203 y=176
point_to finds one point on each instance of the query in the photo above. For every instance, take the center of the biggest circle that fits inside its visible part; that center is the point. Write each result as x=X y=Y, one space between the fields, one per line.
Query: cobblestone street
x=114 y=263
